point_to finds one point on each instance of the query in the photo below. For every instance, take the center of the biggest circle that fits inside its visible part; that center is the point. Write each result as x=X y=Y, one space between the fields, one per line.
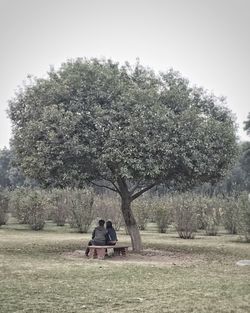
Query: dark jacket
x=111 y=235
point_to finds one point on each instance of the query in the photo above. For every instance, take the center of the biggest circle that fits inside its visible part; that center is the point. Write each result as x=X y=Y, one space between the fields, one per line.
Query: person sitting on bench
x=111 y=237
x=98 y=236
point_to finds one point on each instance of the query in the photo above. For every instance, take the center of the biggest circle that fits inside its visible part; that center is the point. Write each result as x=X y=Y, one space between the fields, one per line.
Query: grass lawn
x=36 y=275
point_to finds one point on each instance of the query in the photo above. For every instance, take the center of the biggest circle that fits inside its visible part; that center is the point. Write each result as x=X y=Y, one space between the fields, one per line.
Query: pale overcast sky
x=206 y=40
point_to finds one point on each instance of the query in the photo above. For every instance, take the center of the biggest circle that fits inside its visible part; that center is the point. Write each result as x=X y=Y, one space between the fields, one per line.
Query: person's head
x=101 y=222
x=109 y=224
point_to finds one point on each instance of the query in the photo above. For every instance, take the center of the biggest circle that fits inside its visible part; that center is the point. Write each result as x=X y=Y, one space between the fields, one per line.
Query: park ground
x=46 y=271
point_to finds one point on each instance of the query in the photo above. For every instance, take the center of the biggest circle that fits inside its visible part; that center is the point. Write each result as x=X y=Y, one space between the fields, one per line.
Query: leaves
x=94 y=119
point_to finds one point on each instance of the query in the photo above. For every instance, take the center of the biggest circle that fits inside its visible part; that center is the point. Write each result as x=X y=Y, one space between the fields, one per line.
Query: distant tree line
x=11 y=175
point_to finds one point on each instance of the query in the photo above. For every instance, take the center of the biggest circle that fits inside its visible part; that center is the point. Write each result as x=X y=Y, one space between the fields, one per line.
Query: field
x=46 y=272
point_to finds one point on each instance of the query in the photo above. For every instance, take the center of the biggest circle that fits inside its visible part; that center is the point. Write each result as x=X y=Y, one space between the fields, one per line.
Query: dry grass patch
x=47 y=272
x=147 y=257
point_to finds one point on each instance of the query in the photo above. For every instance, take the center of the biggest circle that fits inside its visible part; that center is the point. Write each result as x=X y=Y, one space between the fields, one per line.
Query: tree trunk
x=131 y=224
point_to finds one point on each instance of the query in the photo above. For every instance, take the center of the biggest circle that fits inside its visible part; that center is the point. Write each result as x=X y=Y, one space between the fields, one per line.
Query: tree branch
x=109 y=180
x=123 y=186
x=135 y=187
x=103 y=186
x=136 y=195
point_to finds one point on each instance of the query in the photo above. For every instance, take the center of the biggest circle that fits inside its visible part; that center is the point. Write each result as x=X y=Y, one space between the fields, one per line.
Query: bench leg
x=116 y=251
x=124 y=251
x=93 y=253
x=120 y=251
x=97 y=253
x=101 y=253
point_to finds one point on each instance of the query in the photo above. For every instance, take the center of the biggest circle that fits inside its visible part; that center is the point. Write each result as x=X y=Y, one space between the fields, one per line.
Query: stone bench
x=100 y=251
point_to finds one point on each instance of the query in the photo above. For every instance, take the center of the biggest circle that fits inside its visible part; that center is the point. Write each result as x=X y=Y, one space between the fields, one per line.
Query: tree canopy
x=122 y=127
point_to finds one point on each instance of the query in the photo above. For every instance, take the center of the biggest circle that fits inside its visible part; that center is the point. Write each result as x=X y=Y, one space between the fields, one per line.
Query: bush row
x=78 y=207
x=188 y=212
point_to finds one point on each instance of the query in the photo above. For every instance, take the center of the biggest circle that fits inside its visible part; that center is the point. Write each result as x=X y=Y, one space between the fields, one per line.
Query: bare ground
x=147 y=257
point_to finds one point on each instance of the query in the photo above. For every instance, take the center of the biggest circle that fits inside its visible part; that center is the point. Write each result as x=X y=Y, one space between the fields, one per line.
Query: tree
x=11 y=175
x=245 y=163
x=247 y=124
x=237 y=179
x=4 y=167
x=121 y=127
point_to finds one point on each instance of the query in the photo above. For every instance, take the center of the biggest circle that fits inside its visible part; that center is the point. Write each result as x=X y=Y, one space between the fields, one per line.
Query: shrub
x=108 y=207
x=162 y=212
x=4 y=200
x=18 y=205
x=36 y=206
x=141 y=208
x=200 y=211
x=212 y=216
x=81 y=211
x=58 y=206
x=209 y=212
x=29 y=206
x=231 y=215
x=244 y=220
x=185 y=215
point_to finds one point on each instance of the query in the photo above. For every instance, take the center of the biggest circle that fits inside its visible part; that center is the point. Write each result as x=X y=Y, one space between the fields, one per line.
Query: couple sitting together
x=102 y=236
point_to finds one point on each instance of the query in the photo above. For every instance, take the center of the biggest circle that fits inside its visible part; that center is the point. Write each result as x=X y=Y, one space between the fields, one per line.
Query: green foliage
x=4 y=200
x=126 y=126
x=81 y=210
x=96 y=119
